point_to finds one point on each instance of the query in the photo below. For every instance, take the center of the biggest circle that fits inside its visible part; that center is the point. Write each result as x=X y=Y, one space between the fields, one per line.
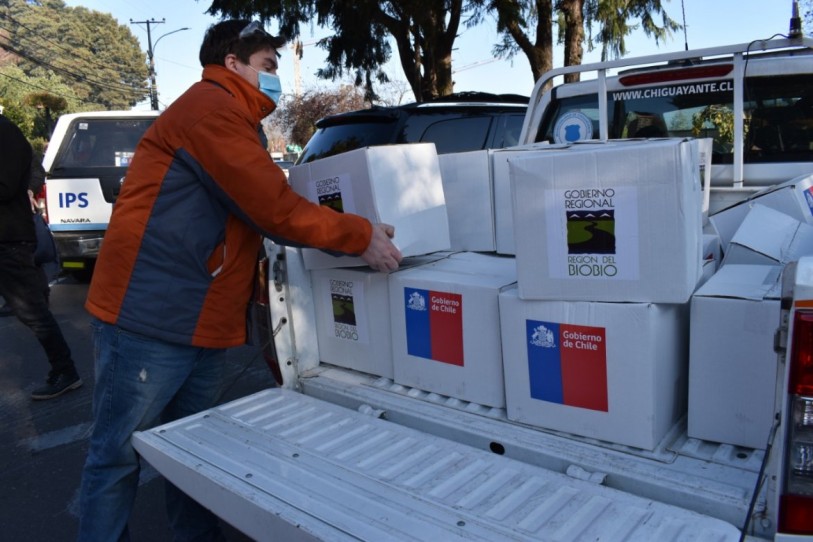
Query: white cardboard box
x=793 y=197
x=609 y=371
x=615 y=222
x=503 y=212
x=445 y=327
x=732 y=365
x=395 y=184
x=769 y=237
x=469 y=199
x=353 y=316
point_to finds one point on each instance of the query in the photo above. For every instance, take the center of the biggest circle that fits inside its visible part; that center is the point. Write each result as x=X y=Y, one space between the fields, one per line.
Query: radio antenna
x=685 y=37
x=795 y=30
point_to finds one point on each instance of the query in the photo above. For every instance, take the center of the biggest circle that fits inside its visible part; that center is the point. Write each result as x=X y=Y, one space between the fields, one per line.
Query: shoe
x=5 y=310
x=56 y=386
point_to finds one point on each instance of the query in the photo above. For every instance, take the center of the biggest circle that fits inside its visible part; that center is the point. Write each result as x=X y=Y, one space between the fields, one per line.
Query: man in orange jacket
x=174 y=276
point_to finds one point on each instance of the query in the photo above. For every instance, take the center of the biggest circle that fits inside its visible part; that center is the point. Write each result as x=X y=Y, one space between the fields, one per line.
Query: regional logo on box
x=596 y=233
x=567 y=364
x=345 y=296
x=334 y=192
x=434 y=325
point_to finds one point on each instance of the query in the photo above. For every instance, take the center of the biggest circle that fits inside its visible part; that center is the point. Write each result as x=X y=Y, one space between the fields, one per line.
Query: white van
x=85 y=164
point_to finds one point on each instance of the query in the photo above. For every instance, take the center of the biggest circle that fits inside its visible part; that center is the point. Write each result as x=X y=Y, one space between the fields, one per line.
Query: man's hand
x=381 y=254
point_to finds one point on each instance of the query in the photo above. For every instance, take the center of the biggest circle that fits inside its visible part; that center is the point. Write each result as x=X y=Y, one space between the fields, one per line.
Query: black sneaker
x=56 y=386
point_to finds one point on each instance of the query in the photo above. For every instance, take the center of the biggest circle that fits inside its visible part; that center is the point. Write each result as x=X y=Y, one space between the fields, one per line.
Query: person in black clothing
x=23 y=284
x=36 y=180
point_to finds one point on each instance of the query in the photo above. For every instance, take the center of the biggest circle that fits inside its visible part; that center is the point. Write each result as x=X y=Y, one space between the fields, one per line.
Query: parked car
x=459 y=122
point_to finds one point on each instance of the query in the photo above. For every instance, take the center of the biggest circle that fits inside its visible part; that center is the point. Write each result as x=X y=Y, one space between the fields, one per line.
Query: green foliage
x=34 y=102
x=616 y=19
x=717 y=121
x=100 y=61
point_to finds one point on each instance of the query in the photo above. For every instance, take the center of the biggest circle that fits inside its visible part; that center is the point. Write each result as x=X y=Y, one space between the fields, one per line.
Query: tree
x=424 y=32
x=527 y=26
x=89 y=51
x=296 y=117
x=613 y=18
x=34 y=102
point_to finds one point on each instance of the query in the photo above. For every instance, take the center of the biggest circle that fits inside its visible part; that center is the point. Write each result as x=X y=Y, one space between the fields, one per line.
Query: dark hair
x=223 y=38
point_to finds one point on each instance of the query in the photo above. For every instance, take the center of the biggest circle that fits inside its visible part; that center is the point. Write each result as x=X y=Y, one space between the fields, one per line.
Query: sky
x=708 y=24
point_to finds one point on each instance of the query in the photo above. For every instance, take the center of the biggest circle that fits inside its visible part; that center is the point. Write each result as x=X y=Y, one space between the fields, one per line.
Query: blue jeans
x=141 y=381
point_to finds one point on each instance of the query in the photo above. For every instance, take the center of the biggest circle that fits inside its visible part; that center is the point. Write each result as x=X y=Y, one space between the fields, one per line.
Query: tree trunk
x=573 y=11
x=425 y=43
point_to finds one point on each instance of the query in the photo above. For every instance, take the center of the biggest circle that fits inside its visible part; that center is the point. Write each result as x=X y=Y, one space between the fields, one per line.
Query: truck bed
x=351 y=457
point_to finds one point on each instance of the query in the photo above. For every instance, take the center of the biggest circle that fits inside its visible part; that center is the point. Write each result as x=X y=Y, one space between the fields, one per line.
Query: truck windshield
x=100 y=143
x=778 y=116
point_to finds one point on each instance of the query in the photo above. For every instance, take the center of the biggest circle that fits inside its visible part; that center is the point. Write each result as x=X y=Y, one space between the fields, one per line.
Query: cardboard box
x=445 y=328
x=769 y=237
x=732 y=365
x=503 y=211
x=469 y=199
x=394 y=184
x=609 y=371
x=353 y=316
x=615 y=222
x=794 y=198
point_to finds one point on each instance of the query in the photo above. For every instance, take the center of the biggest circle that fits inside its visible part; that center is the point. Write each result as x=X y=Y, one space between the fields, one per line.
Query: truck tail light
x=796 y=502
x=42 y=204
x=261 y=294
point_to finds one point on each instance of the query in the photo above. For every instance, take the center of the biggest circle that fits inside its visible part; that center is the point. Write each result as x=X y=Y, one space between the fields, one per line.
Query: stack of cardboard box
x=583 y=331
x=608 y=242
x=398 y=185
x=734 y=315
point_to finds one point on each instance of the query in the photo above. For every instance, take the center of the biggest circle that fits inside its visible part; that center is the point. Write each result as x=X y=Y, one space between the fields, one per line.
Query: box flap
x=742 y=281
x=772 y=234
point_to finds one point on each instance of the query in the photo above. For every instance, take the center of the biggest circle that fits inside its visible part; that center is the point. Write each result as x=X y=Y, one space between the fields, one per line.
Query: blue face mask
x=269 y=84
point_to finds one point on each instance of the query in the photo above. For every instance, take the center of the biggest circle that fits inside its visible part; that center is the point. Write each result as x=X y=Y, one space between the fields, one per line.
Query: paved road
x=43 y=443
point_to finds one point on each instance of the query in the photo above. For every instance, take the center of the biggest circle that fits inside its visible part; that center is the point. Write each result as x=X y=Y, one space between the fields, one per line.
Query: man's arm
x=257 y=191
x=36 y=177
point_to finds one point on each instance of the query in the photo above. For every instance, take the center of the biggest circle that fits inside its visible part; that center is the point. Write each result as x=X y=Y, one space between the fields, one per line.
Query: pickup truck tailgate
x=279 y=465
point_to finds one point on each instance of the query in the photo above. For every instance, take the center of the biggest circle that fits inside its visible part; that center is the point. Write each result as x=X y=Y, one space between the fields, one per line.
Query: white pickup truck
x=337 y=454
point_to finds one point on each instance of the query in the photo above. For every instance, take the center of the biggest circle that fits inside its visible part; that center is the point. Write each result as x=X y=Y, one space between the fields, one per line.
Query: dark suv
x=455 y=123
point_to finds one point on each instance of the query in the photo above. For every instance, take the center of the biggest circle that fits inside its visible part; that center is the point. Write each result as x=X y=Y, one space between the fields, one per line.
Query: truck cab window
x=778 y=115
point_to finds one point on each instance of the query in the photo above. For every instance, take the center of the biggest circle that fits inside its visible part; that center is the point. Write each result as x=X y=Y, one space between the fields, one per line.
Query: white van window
x=94 y=143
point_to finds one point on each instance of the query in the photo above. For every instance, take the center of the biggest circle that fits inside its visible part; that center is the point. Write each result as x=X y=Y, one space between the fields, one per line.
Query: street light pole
x=151 y=55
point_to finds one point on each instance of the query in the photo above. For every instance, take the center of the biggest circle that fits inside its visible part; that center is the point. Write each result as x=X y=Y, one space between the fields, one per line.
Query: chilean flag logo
x=567 y=364
x=434 y=325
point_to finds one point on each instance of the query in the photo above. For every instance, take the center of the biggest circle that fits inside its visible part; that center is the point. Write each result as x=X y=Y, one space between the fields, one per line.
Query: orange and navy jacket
x=179 y=255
